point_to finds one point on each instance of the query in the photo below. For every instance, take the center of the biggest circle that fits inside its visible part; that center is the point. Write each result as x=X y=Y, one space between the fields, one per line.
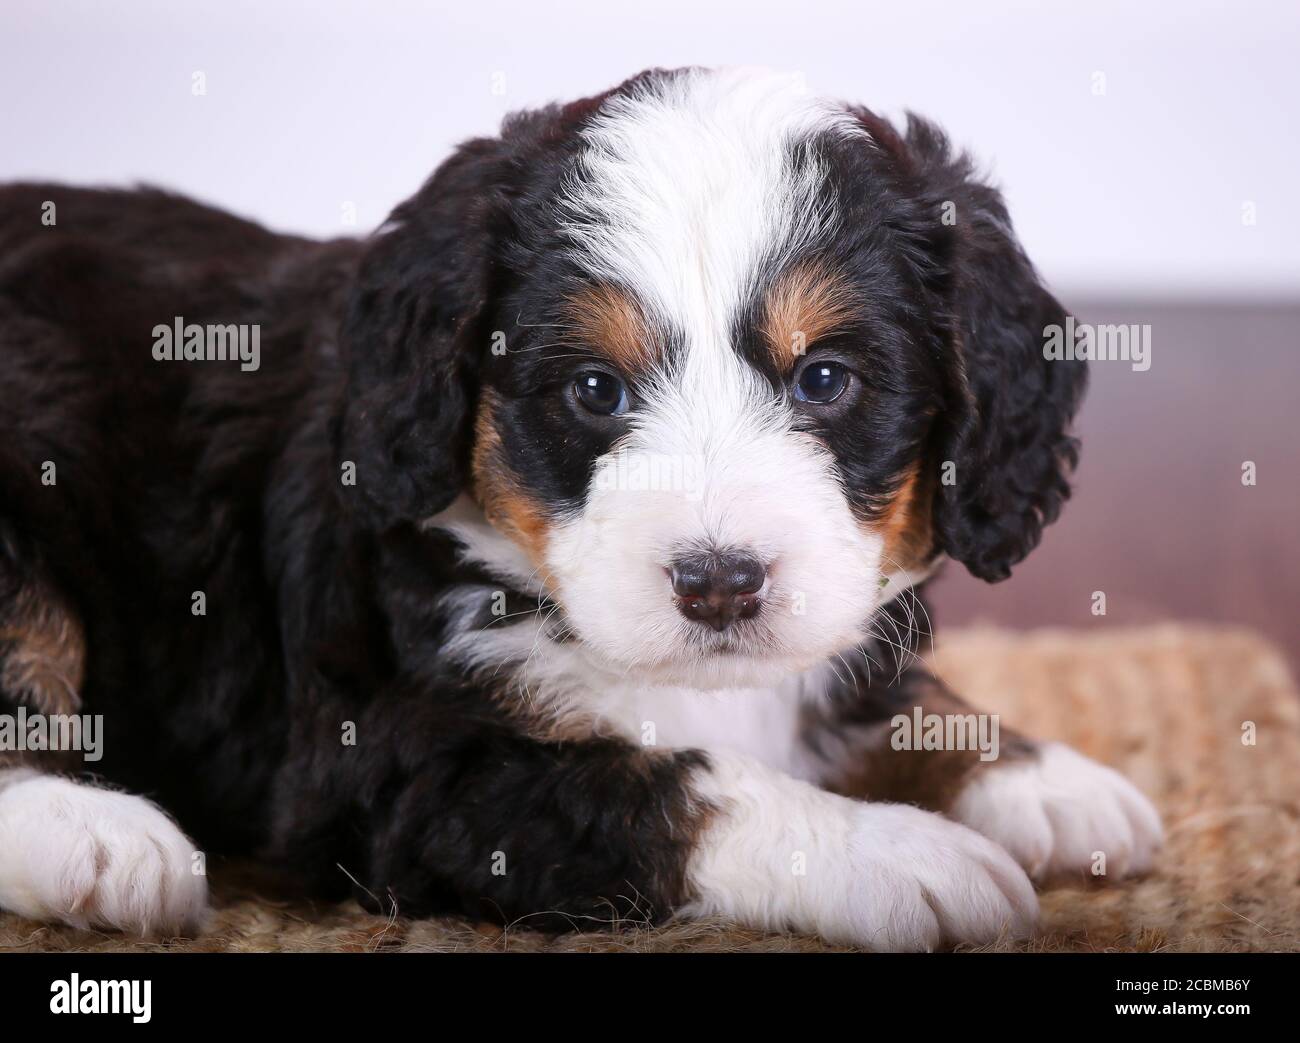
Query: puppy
x=553 y=555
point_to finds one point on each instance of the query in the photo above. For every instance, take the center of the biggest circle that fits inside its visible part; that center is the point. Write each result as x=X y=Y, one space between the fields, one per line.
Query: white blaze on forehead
x=691 y=181
x=690 y=186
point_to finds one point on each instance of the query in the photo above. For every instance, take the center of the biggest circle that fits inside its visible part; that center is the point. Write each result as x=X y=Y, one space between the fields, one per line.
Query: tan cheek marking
x=905 y=524
x=506 y=505
x=610 y=322
x=806 y=303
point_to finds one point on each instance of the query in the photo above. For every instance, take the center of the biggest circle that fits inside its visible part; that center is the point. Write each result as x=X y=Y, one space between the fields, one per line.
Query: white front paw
x=1062 y=813
x=922 y=882
x=95 y=858
x=780 y=854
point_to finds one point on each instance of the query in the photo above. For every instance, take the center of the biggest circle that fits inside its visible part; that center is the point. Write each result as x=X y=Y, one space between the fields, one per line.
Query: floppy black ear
x=411 y=343
x=1004 y=429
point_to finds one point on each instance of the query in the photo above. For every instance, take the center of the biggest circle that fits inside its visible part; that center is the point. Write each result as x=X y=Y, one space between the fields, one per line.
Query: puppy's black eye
x=601 y=393
x=821 y=382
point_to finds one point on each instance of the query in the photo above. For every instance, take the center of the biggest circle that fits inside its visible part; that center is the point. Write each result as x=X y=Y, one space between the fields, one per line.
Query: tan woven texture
x=1165 y=705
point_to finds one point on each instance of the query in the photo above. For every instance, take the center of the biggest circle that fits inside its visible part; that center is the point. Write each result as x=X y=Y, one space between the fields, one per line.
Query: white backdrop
x=1131 y=138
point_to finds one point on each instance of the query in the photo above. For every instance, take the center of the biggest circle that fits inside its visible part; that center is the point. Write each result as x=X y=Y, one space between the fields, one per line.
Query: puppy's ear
x=1005 y=453
x=411 y=342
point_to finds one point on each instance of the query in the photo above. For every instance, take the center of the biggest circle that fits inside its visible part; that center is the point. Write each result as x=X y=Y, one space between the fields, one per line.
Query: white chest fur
x=761 y=723
x=558 y=680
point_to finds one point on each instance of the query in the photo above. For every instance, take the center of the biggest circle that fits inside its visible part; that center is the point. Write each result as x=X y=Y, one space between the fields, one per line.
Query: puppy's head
x=724 y=365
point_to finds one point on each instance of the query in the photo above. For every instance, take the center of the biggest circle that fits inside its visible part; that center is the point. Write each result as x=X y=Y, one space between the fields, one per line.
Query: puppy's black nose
x=717 y=588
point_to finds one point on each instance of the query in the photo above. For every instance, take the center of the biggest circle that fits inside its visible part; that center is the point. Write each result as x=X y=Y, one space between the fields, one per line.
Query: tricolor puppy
x=552 y=562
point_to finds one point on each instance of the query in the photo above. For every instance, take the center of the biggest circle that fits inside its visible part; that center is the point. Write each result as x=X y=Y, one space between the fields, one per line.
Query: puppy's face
x=707 y=425
x=717 y=364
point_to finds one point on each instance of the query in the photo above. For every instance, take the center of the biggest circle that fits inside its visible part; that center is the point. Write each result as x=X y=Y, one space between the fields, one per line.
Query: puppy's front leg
x=781 y=853
x=1054 y=809
x=563 y=834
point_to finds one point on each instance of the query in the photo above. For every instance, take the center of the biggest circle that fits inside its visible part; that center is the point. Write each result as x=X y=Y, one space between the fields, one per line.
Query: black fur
x=1007 y=410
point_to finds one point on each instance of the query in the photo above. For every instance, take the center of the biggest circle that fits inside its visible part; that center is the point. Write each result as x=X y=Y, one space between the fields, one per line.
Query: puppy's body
x=482 y=644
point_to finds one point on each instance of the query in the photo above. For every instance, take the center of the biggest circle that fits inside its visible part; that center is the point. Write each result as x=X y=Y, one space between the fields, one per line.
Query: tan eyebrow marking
x=806 y=303
x=616 y=326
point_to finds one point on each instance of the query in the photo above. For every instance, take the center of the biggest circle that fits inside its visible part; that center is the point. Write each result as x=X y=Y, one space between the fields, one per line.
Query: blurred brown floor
x=1160 y=520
